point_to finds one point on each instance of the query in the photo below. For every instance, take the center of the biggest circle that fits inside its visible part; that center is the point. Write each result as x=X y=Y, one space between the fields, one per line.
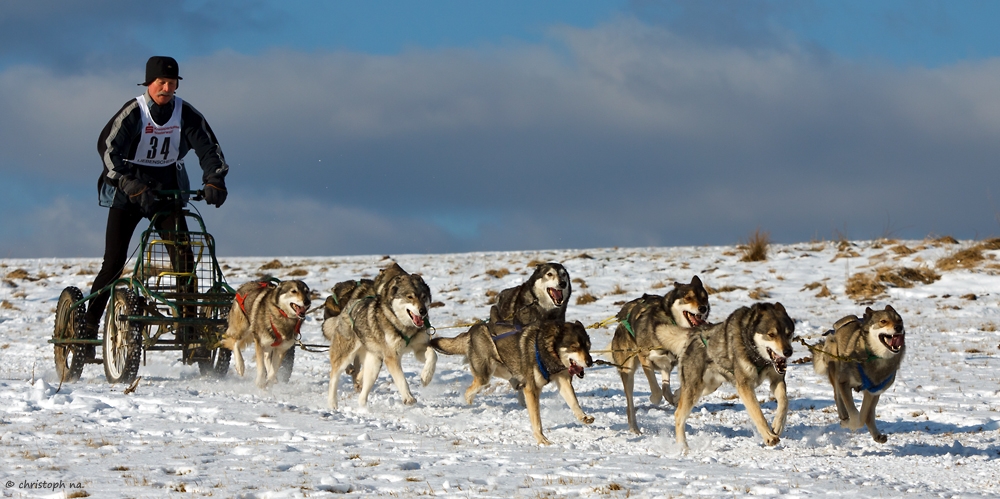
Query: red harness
x=298 y=324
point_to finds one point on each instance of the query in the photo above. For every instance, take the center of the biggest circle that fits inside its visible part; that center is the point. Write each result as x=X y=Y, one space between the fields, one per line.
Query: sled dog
x=751 y=345
x=270 y=315
x=863 y=354
x=543 y=296
x=652 y=331
x=381 y=328
x=529 y=357
x=348 y=291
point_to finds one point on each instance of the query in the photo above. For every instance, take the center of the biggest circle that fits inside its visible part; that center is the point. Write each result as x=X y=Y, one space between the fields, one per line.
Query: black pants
x=121 y=226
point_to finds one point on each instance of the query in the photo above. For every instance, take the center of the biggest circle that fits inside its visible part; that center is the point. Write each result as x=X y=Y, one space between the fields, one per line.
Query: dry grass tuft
x=759 y=294
x=585 y=299
x=298 y=273
x=498 y=273
x=946 y=240
x=755 y=249
x=902 y=250
x=491 y=297
x=581 y=284
x=534 y=263
x=724 y=289
x=273 y=264
x=17 y=274
x=868 y=286
x=967 y=258
x=864 y=287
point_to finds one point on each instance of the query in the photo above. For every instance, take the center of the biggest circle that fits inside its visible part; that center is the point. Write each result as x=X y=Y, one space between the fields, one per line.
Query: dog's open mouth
x=556 y=295
x=694 y=320
x=417 y=320
x=575 y=369
x=780 y=363
x=894 y=342
x=300 y=311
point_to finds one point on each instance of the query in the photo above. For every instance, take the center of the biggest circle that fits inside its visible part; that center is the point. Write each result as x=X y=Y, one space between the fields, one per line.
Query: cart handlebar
x=196 y=195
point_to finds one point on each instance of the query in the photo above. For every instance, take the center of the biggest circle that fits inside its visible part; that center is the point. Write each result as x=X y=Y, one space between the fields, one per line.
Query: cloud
x=625 y=134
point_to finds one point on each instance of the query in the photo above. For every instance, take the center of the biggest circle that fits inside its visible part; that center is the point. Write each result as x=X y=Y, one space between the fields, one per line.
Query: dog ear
x=783 y=315
x=868 y=314
x=888 y=308
x=695 y=281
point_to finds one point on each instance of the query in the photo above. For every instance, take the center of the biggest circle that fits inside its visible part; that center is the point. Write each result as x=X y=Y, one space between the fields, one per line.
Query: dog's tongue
x=693 y=319
x=897 y=341
x=575 y=370
x=417 y=320
x=556 y=295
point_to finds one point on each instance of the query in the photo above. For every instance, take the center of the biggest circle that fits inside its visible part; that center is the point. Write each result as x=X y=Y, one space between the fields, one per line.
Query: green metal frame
x=220 y=294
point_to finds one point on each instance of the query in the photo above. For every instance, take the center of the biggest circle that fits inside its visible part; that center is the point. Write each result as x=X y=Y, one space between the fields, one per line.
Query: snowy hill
x=181 y=433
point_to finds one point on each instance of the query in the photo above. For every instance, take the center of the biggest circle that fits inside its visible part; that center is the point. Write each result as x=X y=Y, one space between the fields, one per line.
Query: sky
x=385 y=127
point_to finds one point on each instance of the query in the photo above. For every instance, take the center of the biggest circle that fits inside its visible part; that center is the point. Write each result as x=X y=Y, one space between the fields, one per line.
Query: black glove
x=138 y=192
x=215 y=191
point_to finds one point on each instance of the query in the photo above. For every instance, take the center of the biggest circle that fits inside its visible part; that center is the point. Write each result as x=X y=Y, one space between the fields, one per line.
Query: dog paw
x=542 y=440
x=655 y=398
x=771 y=440
x=587 y=419
x=880 y=438
x=409 y=400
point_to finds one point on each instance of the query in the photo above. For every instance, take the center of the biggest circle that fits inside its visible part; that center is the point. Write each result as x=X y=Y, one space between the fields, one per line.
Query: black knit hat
x=160 y=66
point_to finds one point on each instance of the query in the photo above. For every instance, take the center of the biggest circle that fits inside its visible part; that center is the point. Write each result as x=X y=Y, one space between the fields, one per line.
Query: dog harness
x=869 y=386
x=628 y=326
x=517 y=329
x=541 y=366
x=280 y=339
x=351 y=317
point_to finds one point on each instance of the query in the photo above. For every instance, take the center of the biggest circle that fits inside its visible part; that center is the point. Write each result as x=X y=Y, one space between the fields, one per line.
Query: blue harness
x=517 y=329
x=541 y=367
x=869 y=386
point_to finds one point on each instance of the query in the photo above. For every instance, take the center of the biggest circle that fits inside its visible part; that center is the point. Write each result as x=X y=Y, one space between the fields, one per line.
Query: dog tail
x=228 y=342
x=821 y=361
x=458 y=345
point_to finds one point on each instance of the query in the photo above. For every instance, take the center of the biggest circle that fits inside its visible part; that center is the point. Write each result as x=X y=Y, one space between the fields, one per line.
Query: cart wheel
x=285 y=369
x=122 y=339
x=69 y=325
x=218 y=365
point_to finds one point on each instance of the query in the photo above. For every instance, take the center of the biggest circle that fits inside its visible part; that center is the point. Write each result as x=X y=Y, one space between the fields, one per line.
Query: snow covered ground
x=182 y=435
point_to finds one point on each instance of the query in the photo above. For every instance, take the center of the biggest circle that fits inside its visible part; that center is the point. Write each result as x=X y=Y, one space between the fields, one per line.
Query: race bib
x=159 y=145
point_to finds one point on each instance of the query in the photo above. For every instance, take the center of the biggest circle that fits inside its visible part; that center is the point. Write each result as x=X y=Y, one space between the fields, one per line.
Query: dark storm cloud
x=626 y=134
x=98 y=35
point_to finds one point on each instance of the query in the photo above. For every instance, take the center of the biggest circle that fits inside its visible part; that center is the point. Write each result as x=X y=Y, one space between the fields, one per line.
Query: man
x=142 y=149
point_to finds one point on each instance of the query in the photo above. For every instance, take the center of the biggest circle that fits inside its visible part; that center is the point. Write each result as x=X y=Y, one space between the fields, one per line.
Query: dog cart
x=176 y=298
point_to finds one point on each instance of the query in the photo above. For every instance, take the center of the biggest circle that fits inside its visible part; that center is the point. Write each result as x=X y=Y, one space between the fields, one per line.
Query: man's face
x=162 y=90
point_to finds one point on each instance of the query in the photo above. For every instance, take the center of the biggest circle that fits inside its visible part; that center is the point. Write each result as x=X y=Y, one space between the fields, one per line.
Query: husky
x=543 y=296
x=270 y=315
x=381 y=328
x=751 y=345
x=863 y=354
x=348 y=291
x=652 y=331
x=529 y=357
